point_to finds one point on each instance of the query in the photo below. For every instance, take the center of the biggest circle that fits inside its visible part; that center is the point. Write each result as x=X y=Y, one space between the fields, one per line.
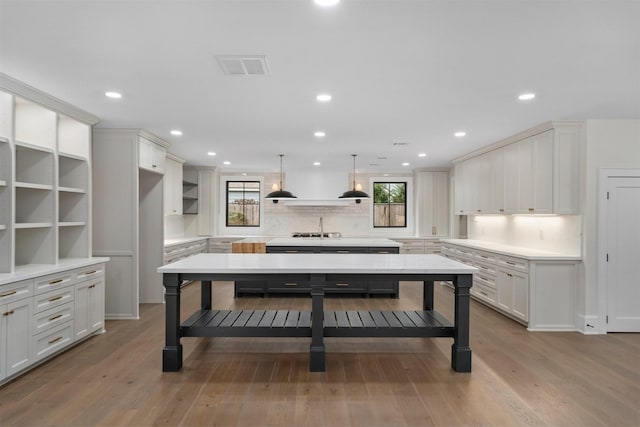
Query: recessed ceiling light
x=113 y=95
x=244 y=174
x=326 y=3
x=319 y=134
x=526 y=96
x=459 y=134
x=422 y=155
x=316 y=163
x=226 y=162
x=405 y=164
x=211 y=153
x=176 y=132
x=323 y=97
x=386 y=174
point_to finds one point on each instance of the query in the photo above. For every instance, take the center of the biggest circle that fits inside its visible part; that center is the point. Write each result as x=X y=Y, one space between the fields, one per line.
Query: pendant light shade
x=354 y=194
x=280 y=194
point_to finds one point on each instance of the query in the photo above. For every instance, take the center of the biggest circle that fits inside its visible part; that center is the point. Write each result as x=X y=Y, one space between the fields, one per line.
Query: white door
x=623 y=247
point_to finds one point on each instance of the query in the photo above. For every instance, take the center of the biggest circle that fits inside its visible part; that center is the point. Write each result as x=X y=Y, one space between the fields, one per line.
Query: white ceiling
x=399 y=71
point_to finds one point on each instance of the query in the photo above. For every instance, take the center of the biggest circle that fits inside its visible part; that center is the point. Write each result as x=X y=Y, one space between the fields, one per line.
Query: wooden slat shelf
x=294 y=323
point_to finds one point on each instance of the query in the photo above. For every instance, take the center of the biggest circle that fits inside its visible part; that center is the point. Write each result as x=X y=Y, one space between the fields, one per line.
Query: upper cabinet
x=152 y=155
x=173 y=185
x=536 y=172
x=433 y=203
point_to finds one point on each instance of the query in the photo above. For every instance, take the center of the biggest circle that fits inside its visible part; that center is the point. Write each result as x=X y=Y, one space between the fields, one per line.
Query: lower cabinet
x=41 y=316
x=513 y=293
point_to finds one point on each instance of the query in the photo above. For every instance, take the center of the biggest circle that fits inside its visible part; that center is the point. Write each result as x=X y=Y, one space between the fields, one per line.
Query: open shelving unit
x=45 y=181
x=190 y=192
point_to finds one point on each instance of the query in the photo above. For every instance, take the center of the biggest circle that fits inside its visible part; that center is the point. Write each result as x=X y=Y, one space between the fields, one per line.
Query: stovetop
x=327 y=235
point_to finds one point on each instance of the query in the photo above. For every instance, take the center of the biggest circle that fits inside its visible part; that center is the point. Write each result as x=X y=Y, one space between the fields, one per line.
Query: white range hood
x=317 y=188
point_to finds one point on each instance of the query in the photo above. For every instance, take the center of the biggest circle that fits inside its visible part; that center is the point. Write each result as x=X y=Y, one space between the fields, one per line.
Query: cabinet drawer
x=250 y=287
x=53 y=281
x=346 y=285
x=381 y=286
x=50 y=318
x=513 y=263
x=53 y=299
x=411 y=250
x=486 y=269
x=484 y=280
x=16 y=291
x=51 y=341
x=484 y=293
x=89 y=272
x=289 y=284
x=485 y=257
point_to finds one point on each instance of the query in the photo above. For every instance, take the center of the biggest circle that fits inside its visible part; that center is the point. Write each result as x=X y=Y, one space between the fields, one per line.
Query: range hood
x=317 y=188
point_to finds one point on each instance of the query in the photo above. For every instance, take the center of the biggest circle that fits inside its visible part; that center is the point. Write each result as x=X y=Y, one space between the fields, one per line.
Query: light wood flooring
x=518 y=378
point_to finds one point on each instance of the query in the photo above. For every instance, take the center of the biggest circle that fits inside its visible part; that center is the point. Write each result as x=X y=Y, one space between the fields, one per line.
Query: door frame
x=603 y=286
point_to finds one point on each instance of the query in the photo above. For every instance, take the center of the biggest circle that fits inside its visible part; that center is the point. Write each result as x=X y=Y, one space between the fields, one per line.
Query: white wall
x=609 y=144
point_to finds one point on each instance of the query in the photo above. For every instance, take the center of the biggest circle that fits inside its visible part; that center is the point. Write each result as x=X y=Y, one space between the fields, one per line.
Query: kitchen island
x=316 y=270
x=317 y=245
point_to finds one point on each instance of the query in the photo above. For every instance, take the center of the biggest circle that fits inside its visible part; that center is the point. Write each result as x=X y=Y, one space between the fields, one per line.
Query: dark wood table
x=317 y=270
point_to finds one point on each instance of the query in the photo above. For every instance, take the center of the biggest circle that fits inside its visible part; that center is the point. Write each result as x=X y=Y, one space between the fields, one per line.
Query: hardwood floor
x=518 y=378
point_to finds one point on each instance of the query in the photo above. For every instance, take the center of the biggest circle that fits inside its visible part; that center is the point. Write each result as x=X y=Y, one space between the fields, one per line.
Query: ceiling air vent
x=243 y=65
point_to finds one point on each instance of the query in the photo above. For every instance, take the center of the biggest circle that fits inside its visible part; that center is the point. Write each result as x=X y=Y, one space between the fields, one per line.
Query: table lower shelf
x=294 y=323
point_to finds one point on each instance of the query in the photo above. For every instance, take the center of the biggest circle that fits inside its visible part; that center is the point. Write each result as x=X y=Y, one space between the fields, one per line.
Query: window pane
x=243 y=204
x=389 y=204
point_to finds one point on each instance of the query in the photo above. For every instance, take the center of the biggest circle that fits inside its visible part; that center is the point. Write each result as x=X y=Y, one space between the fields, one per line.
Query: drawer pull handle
x=55 y=282
x=90 y=272
x=51 y=319
x=291 y=284
x=55 y=299
x=55 y=340
x=484 y=256
x=484 y=278
x=342 y=285
x=509 y=274
x=382 y=252
x=484 y=293
x=92 y=286
x=342 y=252
x=511 y=263
x=291 y=252
x=501 y=210
x=531 y=209
x=7 y=313
x=8 y=294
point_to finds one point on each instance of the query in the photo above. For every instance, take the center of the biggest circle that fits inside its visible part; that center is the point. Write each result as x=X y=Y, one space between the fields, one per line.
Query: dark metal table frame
x=317 y=323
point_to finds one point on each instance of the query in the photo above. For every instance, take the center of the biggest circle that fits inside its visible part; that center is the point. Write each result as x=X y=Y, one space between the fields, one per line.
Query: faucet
x=321 y=229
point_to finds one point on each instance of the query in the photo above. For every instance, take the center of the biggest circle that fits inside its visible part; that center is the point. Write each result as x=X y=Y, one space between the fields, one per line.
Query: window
x=389 y=204
x=243 y=203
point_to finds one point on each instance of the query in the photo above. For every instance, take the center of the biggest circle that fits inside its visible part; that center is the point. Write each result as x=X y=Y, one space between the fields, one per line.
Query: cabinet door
x=89 y=308
x=173 y=188
x=17 y=318
x=159 y=158
x=459 y=190
x=520 y=306
x=504 y=282
x=482 y=184
x=542 y=172
x=511 y=178
x=145 y=153
x=440 y=226
x=525 y=176
x=497 y=181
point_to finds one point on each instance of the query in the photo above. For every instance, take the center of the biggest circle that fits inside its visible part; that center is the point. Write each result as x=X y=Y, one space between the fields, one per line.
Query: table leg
x=460 y=350
x=427 y=295
x=317 y=355
x=205 y=295
x=172 y=351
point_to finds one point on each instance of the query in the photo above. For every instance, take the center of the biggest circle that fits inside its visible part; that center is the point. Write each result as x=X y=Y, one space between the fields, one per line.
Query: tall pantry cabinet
x=128 y=216
x=45 y=228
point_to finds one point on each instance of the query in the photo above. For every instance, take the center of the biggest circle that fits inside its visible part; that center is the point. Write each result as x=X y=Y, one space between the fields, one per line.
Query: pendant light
x=280 y=194
x=354 y=194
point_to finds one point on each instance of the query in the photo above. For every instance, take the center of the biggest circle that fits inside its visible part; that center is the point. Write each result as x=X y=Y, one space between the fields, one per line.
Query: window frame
x=406 y=210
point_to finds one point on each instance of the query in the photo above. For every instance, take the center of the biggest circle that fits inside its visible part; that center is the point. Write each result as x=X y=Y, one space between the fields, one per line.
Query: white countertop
x=344 y=241
x=318 y=263
x=515 y=251
x=36 y=270
x=181 y=240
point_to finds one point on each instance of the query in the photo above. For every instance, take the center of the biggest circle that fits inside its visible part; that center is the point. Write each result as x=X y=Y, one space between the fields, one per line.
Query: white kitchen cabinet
x=15 y=336
x=88 y=307
x=173 y=185
x=513 y=293
x=540 y=293
x=152 y=156
x=534 y=172
x=128 y=220
x=433 y=203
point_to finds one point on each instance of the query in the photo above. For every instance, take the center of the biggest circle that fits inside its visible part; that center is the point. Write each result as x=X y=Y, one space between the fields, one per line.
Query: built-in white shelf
x=72 y=224
x=71 y=190
x=3 y=139
x=24 y=144
x=34 y=186
x=3 y=227
x=3 y=183
x=24 y=225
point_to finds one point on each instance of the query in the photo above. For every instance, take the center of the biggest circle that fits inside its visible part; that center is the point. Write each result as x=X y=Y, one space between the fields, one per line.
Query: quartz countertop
x=36 y=270
x=181 y=240
x=344 y=241
x=317 y=263
x=516 y=251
